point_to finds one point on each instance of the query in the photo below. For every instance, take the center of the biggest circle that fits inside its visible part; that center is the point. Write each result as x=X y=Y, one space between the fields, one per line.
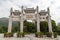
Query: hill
x=4 y=22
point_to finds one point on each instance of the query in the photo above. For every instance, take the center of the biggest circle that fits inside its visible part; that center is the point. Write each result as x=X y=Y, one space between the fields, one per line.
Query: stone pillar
x=49 y=21
x=11 y=11
x=10 y=24
x=38 y=22
x=21 y=26
x=10 y=21
x=21 y=22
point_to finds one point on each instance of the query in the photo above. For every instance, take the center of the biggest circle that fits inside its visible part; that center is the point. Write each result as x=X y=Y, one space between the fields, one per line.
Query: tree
x=54 y=27
x=58 y=25
x=29 y=27
x=16 y=26
x=3 y=29
x=44 y=26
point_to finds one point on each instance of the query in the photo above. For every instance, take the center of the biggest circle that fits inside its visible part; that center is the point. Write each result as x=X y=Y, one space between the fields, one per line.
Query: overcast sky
x=54 y=5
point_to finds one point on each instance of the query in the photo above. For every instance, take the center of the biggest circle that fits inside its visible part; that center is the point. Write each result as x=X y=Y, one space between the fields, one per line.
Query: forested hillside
x=4 y=22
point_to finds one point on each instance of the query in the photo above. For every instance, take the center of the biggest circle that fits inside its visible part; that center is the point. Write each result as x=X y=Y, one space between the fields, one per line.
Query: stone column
x=49 y=21
x=10 y=24
x=21 y=22
x=10 y=21
x=21 y=26
x=38 y=22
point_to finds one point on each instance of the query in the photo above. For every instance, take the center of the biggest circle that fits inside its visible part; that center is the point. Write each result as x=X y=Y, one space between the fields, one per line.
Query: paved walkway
x=27 y=37
x=32 y=37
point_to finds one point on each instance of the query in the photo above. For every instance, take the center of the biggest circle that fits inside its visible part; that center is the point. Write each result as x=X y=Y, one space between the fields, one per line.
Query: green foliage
x=49 y=34
x=8 y=34
x=16 y=27
x=58 y=30
x=26 y=32
x=20 y=34
x=44 y=26
x=3 y=29
x=54 y=27
x=55 y=34
x=58 y=24
x=29 y=27
x=39 y=34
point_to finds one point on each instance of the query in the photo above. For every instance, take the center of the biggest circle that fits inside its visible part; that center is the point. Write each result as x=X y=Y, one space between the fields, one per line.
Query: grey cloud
x=5 y=6
x=58 y=7
x=52 y=2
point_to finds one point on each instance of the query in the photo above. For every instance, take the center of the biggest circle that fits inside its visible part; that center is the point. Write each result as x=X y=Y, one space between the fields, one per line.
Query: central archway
x=29 y=26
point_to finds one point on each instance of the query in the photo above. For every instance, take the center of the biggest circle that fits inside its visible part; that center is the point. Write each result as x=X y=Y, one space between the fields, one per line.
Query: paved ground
x=27 y=37
x=32 y=37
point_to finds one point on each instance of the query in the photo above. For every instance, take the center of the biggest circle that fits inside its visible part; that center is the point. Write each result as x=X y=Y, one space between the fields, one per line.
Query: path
x=27 y=37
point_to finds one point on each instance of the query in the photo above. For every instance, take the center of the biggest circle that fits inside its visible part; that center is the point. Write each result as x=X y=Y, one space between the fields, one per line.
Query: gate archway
x=29 y=14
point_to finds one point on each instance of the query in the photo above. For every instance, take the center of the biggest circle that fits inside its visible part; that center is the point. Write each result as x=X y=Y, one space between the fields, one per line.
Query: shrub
x=55 y=35
x=49 y=34
x=39 y=34
x=26 y=32
x=8 y=34
x=20 y=34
